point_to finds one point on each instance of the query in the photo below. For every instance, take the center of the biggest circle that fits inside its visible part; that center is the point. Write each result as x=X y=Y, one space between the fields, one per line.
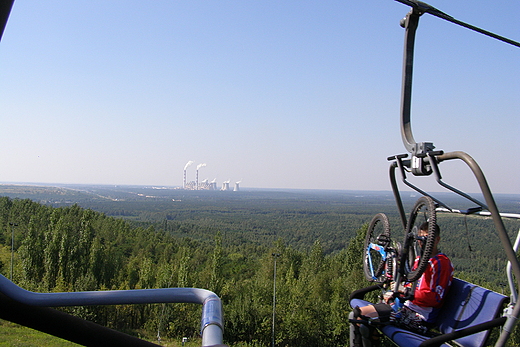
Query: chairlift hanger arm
x=410 y=23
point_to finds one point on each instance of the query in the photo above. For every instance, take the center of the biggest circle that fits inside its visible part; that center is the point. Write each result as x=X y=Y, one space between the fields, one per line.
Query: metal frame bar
x=212 y=322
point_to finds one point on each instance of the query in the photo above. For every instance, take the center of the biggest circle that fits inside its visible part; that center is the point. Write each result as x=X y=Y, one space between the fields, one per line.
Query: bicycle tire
x=392 y=261
x=414 y=273
x=373 y=262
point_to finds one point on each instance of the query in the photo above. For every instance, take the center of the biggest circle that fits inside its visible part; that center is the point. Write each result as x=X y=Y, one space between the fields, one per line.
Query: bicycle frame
x=380 y=250
x=424 y=161
x=384 y=252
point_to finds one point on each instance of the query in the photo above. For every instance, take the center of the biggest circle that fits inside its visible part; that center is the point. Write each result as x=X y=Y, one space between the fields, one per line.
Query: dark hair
x=424 y=227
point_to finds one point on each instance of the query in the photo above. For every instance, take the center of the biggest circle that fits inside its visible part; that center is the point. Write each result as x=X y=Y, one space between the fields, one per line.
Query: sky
x=275 y=94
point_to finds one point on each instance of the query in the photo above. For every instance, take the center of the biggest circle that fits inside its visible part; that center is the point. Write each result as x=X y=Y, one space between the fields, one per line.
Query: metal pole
x=275 y=255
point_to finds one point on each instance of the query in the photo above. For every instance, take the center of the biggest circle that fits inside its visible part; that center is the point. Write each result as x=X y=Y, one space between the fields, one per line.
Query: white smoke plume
x=200 y=165
x=188 y=164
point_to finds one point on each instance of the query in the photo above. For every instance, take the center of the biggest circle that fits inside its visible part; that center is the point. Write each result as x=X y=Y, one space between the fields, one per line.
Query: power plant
x=204 y=184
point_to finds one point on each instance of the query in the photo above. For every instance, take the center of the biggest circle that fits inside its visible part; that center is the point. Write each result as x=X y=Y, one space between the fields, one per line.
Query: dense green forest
x=73 y=249
x=223 y=243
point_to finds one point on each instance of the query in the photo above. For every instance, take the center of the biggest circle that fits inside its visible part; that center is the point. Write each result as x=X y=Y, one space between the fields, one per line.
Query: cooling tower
x=225 y=185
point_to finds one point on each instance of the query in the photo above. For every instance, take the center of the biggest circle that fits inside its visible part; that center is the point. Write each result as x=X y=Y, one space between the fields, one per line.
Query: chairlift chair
x=423 y=160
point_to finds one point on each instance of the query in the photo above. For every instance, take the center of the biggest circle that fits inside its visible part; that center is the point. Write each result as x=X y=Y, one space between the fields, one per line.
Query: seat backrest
x=466 y=305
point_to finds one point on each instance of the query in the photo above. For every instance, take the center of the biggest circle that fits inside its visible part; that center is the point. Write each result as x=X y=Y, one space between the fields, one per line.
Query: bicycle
x=386 y=261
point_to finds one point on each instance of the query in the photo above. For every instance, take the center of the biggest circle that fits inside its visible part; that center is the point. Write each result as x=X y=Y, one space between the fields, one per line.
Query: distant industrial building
x=225 y=185
x=204 y=184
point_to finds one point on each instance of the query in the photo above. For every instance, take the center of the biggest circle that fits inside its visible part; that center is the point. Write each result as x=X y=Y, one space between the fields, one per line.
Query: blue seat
x=466 y=317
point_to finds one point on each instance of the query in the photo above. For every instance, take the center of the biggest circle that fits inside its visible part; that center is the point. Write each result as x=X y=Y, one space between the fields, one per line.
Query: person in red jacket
x=417 y=314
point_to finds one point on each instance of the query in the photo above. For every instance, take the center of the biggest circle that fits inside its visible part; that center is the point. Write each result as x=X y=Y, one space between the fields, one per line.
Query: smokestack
x=197 y=177
x=185 y=167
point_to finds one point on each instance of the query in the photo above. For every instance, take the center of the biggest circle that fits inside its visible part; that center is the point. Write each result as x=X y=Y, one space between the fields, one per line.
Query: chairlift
x=423 y=160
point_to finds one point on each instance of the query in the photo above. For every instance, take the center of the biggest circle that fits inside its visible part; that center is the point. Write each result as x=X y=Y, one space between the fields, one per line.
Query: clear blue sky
x=276 y=94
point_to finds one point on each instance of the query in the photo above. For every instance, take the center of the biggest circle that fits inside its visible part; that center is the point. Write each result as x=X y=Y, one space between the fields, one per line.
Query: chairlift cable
x=426 y=8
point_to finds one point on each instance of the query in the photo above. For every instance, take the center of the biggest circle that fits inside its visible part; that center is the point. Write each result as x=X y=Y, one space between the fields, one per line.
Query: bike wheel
x=392 y=261
x=419 y=250
x=376 y=241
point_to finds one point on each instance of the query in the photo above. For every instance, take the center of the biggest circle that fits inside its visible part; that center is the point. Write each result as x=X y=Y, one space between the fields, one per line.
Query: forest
x=224 y=243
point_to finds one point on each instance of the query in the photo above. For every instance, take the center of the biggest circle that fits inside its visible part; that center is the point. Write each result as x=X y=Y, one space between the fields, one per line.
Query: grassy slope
x=16 y=335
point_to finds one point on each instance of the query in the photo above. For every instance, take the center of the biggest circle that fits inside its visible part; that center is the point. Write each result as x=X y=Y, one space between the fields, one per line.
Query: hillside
x=139 y=237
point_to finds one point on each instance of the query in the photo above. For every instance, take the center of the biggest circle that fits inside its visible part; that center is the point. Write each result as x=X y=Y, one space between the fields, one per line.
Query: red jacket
x=434 y=282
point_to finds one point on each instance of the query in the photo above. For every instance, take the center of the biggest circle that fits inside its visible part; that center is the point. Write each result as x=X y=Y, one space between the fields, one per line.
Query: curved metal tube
x=510 y=279
x=410 y=23
x=212 y=317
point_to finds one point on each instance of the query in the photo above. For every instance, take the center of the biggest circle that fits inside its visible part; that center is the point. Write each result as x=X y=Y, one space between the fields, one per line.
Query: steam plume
x=188 y=164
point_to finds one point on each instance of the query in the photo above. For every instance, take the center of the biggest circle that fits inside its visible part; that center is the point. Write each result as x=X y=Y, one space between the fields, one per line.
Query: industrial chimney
x=185 y=167
x=197 y=177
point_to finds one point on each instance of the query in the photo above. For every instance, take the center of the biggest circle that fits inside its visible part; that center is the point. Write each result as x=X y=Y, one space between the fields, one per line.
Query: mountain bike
x=386 y=261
